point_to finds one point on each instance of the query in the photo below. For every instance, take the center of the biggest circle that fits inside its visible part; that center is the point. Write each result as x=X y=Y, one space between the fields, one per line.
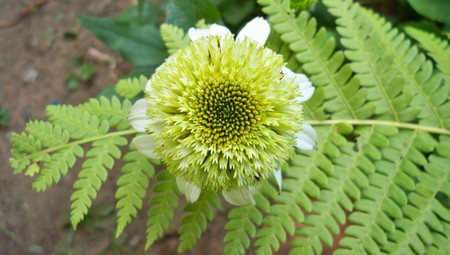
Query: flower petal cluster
x=224 y=114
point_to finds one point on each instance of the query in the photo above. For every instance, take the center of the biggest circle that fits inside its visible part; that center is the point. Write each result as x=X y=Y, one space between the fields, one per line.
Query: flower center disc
x=226 y=112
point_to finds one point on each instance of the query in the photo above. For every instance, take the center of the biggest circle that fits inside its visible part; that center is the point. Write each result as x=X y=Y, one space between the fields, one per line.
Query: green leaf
x=162 y=206
x=141 y=46
x=132 y=189
x=241 y=227
x=185 y=14
x=174 y=37
x=94 y=171
x=433 y=9
x=131 y=87
x=111 y=109
x=195 y=217
x=138 y=15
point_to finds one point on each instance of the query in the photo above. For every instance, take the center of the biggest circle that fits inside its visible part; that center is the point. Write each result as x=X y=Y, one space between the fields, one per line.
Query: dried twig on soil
x=23 y=14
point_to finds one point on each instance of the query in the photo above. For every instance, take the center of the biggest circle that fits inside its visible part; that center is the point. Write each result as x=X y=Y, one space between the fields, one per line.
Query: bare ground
x=34 y=64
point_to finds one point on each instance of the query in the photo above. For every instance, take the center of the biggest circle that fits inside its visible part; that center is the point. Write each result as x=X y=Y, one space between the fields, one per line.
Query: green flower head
x=223 y=114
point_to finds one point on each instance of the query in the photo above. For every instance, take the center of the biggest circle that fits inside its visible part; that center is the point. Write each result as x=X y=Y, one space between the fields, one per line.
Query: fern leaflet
x=132 y=189
x=93 y=173
x=112 y=109
x=162 y=204
x=195 y=218
x=174 y=37
x=131 y=87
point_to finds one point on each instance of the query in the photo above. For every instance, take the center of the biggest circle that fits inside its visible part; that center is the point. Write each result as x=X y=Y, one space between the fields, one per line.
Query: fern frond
x=344 y=186
x=57 y=166
x=94 y=171
x=58 y=163
x=381 y=204
x=241 y=227
x=314 y=50
x=438 y=48
x=429 y=92
x=162 y=205
x=78 y=122
x=132 y=189
x=301 y=183
x=195 y=218
x=372 y=63
x=174 y=37
x=23 y=145
x=110 y=109
x=131 y=87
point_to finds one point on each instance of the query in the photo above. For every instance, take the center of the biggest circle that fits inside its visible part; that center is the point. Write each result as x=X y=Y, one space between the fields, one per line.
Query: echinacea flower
x=224 y=114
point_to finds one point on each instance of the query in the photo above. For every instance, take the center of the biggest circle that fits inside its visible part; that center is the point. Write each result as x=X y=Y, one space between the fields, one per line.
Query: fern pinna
x=378 y=181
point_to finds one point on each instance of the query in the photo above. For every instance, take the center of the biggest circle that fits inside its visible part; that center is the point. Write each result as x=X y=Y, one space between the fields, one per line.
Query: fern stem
x=381 y=123
x=82 y=141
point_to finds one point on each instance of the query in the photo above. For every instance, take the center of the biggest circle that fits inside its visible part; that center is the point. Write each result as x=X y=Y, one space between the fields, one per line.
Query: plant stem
x=83 y=141
x=382 y=123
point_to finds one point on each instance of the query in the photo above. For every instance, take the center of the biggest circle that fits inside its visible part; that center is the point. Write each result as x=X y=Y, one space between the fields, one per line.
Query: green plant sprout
x=363 y=165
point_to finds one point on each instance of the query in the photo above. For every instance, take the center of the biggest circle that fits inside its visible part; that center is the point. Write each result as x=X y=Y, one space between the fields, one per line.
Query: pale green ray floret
x=224 y=115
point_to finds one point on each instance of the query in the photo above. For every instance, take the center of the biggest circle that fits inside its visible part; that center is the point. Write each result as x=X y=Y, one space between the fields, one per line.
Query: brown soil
x=34 y=64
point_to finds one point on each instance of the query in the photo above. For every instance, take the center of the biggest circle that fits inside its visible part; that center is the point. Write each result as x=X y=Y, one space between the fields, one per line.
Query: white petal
x=257 y=30
x=306 y=139
x=197 y=33
x=278 y=177
x=145 y=145
x=191 y=190
x=306 y=88
x=137 y=115
x=219 y=30
x=242 y=196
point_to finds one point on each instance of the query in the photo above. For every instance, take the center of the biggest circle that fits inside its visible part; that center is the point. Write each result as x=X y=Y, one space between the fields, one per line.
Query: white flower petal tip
x=306 y=139
x=278 y=178
x=258 y=30
x=219 y=30
x=306 y=87
x=137 y=115
x=189 y=189
x=145 y=145
x=197 y=33
x=242 y=196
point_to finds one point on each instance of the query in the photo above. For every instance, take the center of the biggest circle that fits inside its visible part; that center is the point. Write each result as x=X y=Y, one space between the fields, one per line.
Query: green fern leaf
x=78 y=122
x=110 y=109
x=174 y=37
x=351 y=168
x=302 y=182
x=131 y=87
x=425 y=216
x=438 y=48
x=382 y=203
x=241 y=226
x=372 y=63
x=162 y=204
x=195 y=218
x=93 y=173
x=429 y=91
x=401 y=82
x=23 y=145
x=132 y=189
x=57 y=164
x=314 y=50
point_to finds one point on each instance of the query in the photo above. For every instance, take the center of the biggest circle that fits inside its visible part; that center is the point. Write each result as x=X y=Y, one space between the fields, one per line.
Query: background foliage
x=379 y=180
